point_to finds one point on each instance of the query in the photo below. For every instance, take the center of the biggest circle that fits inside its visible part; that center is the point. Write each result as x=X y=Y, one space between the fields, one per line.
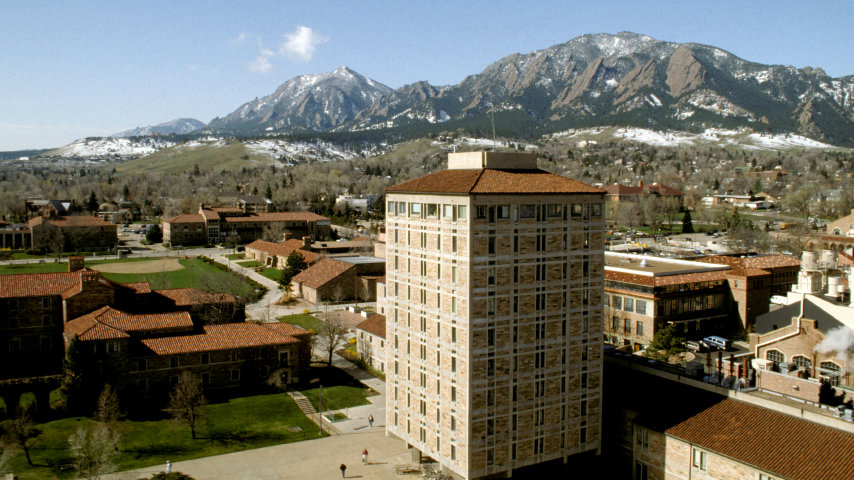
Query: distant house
x=40 y=207
x=340 y=278
x=276 y=254
x=246 y=203
x=80 y=233
x=218 y=225
x=620 y=193
x=370 y=341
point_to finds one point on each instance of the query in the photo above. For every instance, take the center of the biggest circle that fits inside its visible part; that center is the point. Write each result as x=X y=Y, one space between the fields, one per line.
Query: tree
x=109 y=411
x=187 y=401
x=665 y=339
x=93 y=449
x=73 y=385
x=21 y=433
x=154 y=234
x=92 y=203
x=331 y=332
x=687 y=224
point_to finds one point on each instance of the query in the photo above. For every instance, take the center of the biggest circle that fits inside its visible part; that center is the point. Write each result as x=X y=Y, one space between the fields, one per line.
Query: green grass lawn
x=340 y=390
x=250 y=264
x=273 y=274
x=196 y=273
x=307 y=322
x=238 y=424
x=235 y=256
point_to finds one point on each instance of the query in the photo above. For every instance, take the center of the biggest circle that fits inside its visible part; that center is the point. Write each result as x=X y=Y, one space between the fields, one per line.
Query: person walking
x=343 y=470
x=365 y=456
x=168 y=466
x=370 y=421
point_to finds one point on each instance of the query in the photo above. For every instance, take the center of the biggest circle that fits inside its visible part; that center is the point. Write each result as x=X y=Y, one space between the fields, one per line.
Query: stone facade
x=493 y=307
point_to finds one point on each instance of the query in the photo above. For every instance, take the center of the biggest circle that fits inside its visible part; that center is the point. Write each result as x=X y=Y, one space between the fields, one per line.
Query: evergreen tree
x=687 y=223
x=92 y=203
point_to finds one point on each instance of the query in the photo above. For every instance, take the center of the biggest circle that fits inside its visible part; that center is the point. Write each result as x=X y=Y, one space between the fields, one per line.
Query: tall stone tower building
x=494 y=305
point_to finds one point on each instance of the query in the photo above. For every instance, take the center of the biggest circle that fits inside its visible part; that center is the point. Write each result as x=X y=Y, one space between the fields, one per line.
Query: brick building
x=276 y=254
x=644 y=294
x=121 y=325
x=77 y=233
x=234 y=225
x=493 y=303
x=370 y=341
x=752 y=280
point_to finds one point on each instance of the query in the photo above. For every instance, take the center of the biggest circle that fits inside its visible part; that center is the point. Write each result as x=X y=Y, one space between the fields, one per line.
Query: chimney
x=75 y=263
x=286 y=235
x=640 y=183
x=306 y=242
x=746 y=367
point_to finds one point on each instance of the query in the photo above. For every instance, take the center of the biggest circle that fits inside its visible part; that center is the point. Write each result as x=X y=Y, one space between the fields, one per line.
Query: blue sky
x=76 y=69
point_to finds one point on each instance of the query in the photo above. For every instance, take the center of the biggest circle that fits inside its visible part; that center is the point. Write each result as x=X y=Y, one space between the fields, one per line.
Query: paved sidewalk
x=357 y=417
x=308 y=460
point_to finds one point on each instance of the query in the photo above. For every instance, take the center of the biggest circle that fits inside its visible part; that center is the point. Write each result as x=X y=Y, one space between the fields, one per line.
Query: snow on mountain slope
x=742 y=138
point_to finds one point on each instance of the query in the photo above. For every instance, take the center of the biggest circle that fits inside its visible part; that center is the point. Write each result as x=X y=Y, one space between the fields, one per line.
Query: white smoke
x=839 y=341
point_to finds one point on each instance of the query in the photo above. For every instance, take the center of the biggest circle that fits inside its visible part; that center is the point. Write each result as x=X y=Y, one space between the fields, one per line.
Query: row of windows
x=625 y=304
x=802 y=361
x=428 y=210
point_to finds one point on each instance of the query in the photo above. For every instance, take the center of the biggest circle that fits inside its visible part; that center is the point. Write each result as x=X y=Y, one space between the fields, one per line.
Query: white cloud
x=301 y=43
x=239 y=38
x=298 y=45
x=262 y=62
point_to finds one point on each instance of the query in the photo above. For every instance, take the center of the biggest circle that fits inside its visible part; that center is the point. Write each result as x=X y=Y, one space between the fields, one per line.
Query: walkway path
x=308 y=460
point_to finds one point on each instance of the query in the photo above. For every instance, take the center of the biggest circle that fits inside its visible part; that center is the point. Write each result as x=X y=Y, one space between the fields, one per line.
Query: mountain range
x=179 y=126
x=597 y=79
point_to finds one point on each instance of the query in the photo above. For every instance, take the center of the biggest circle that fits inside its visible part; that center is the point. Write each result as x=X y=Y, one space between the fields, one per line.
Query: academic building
x=493 y=304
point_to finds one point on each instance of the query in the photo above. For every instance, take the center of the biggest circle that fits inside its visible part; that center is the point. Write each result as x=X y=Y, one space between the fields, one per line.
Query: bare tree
x=93 y=449
x=273 y=232
x=628 y=214
x=21 y=433
x=187 y=401
x=331 y=333
x=108 y=411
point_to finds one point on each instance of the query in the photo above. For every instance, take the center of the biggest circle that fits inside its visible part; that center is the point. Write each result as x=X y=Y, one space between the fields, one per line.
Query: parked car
x=717 y=342
x=696 y=346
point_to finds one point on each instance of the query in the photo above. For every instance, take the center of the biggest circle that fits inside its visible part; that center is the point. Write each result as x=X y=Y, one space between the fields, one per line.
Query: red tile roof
x=108 y=323
x=192 y=296
x=287 y=328
x=663 y=280
x=277 y=217
x=186 y=218
x=322 y=272
x=37 y=284
x=747 y=434
x=494 y=181
x=284 y=249
x=226 y=336
x=72 y=221
x=209 y=214
x=375 y=325
x=752 y=266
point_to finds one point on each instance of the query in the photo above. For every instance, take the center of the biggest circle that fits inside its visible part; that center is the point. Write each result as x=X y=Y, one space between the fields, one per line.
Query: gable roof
x=276 y=217
x=186 y=218
x=375 y=325
x=493 y=181
x=283 y=249
x=192 y=296
x=746 y=433
x=108 y=323
x=71 y=221
x=322 y=272
x=752 y=266
x=226 y=336
x=37 y=284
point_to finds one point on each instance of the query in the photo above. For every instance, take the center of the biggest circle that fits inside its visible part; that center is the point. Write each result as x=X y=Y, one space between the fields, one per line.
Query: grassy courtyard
x=307 y=322
x=186 y=272
x=237 y=424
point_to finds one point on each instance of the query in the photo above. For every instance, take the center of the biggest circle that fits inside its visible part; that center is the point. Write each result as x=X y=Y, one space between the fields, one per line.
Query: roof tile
x=494 y=181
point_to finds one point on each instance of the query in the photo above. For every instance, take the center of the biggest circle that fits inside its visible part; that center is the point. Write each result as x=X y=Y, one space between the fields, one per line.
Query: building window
x=235 y=375
x=642 y=437
x=775 y=356
x=554 y=210
x=503 y=211
x=802 y=361
x=763 y=476
x=113 y=347
x=629 y=304
x=46 y=303
x=206 y=358
x=415 y=209
x=582 y=435
x=641 y=470
x=640 y=307
x=584 y=380
x=480 y=212
x=453 y=452
x=576 y=209
x=699 y=460
x=173 y=362
x=206 y=378
x=640 y=328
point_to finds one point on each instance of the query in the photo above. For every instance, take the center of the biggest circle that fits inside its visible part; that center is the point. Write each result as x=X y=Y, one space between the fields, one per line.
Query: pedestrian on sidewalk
x=365 y=456
x=343 y=470
x=370 y=421
x=168 y=466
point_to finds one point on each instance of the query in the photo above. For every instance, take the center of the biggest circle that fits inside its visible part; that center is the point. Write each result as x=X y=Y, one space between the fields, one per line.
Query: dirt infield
x=151 y=266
